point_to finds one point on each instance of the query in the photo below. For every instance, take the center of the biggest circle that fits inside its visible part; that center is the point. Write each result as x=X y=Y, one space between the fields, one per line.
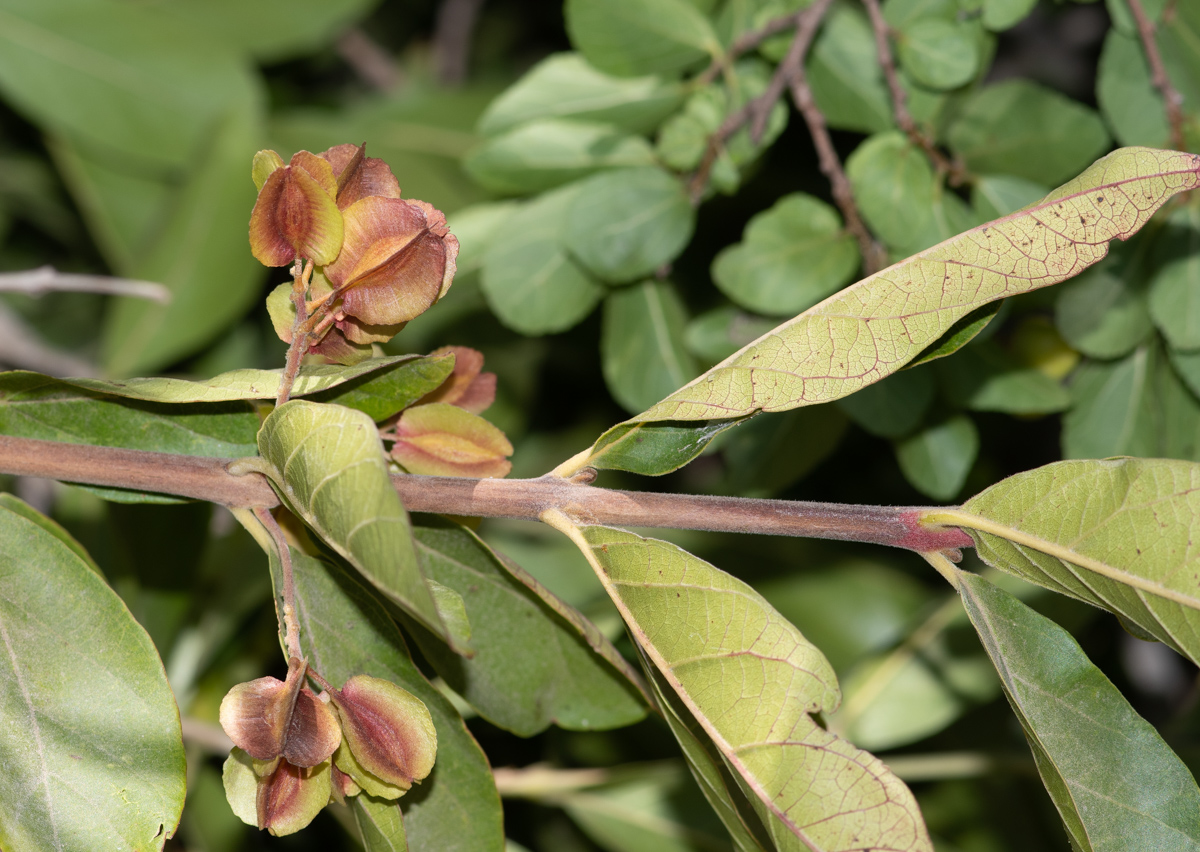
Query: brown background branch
x=524 y=499
x=1159 y=77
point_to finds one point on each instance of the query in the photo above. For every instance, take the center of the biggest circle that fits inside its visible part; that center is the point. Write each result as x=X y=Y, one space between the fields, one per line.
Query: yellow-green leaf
x=753 y=684
x=1115 y=533
x=875 y=327
x=327 y=463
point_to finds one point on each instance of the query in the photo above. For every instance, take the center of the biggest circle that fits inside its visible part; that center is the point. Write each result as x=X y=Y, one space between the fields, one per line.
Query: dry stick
x=291 y=628
x=806 y=30
x=370 y=61
x=46 y=279
x=954 y=170
x=873 y=255
x=452 y=39
x=1162 y=82
x=522 y=499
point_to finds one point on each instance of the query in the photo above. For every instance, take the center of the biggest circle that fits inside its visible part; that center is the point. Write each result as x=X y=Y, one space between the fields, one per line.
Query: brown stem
x=301 y=273
x=758 y=110
x=747 y=42
x=955 y=170
x=290 y=627
x=1162 y=82
x=452 y=39
x=873 y=255
x=523 y=499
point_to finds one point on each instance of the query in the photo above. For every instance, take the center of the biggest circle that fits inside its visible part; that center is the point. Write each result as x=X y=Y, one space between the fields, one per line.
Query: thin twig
x=747 y=42
x=370 y=61
x=291 y=627
x=452 y=39
x=873 y=255
x=205 y=735
x=523 y=499
x=954 y=170
x=301 y=273
x=1162 y=82
x=758 y=110
x=46 y=279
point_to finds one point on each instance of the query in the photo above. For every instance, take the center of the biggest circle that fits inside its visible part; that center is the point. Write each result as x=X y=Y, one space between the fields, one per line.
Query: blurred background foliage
x=562 y=144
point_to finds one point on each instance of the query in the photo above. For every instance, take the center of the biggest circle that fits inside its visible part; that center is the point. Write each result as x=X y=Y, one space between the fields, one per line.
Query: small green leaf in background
x=328 y=464
x=1175 y=287
x=532 y=667
x=653 y=808
x=1021 y=128
x=1094 y=530
x=753 y=682
x=717 y=334
x=893 y=407
x=75 y=654
x=892 y=182
x=791 y=256
x=531 y=282
x=380 y=393
x=1102 y=313
x=641 y=346
x=1116 y=784
x=634 y=37
x=626 y=223
x=984 y=378
x=937 y=459
x=548 y=152
x=345 y=631
x=770 y=453
x=845 y=75
x=999 y=15
x=563 y=85
x=1128 y=99
x=994 y=196
x=959 y=334
x=938 y=53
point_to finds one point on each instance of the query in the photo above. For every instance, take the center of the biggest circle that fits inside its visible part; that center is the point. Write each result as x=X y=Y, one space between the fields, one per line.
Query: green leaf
x=533 y=667
x=959 y=334
x=994 y=196
x=1115 y=782
x=845 y=75
x=199 y=252
x=752 y=682
x=791 y=256
x=1175 y=298
x=271 y=30
x=653 y=808
x=1112 y=533
x=717 y=334
x=1103 y=313
x=999 y=15
x=873 y=328
x=892 y=182
x=327 y=463
x=891 y=408
x=20 y=507
x=653 y=449
x=850 y=608
x=545 y=153
x=641 y=345
x=937 y=459
x=984 y=378
x=118 y=77
x=563 y=85
x=626 y=223
x=634 y=37
x=1136 y=406
x=250 y=383
x=1130 y=103
x=940 y=54
x=36 y=406
x=1021 y=128
x=345 y=631
x=380 y=823
x=531 y=282
x=381 y=393
x=771 y=453
x=91 y=745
